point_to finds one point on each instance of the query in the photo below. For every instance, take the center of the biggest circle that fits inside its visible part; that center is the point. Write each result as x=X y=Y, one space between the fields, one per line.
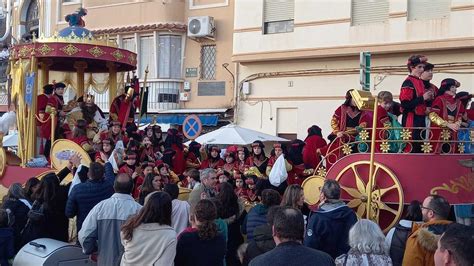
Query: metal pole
x=372 y=153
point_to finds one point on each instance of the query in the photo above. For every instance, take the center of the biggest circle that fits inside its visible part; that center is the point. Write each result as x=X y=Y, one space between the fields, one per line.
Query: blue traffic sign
x=192 y=127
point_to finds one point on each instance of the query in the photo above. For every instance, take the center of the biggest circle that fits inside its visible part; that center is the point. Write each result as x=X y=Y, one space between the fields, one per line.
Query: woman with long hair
x=258 y=158
x=16 y=202
x=213 y=160
x=294 y=197
x=233 y=213
x=241 y=160
x=30 y=187
x=147 y=237
x=107 y=146
x=152 y=183
x=193 y=156
x=201 y=244
x=367 y=244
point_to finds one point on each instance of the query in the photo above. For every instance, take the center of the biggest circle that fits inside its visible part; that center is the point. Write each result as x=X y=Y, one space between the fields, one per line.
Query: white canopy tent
x=235 y=135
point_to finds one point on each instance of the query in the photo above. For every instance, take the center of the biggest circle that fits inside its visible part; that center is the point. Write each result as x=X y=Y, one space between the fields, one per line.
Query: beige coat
x=151 y=244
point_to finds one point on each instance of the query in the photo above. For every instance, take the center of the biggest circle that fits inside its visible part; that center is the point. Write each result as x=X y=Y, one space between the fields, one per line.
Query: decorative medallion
x=406 y=134
x=346 y=149
x=427 y=147
x=44 y=49
x=131 y=58
x=322 y=172
x=465 y=183
x=384 y=147
x=117 y=55
x=461 y=148
x=70 y=49
x=25 y=51
x=445 y=134
x=364 y=134
x=96 y=51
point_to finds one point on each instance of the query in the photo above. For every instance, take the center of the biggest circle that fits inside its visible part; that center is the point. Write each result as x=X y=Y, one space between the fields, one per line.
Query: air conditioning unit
x=202 y=26
x=184 y=96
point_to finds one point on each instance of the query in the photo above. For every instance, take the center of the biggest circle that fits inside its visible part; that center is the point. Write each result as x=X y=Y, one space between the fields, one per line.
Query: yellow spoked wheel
x=354 y=181
x=312 y=188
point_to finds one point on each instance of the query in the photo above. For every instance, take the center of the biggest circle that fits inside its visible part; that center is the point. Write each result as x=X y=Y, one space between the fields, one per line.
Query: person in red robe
x=229 y=164
x=313 y=142
x=174 y=141
x=193 y=156
x=130 y=165
x=426 y=77
x=106 y=147
x=147 y=152
x=115 y=132
x=385 y=101
x=298 y=172
x=251 y=182
x=446 y=115
x=258 y=158
x=241 y=164
x=345 y=122
x=213 y=158
x=240 y=189
x=124 y=106
x=158 y=143
x=465 y=98
x=147 y=168
x=55 y=101
x=414 y=97
x=79 y=136
x=41 y=103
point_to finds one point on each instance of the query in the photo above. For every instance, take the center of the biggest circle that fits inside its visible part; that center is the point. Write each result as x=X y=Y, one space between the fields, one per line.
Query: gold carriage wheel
x=359 y=193
x=3 y=161
x=65 y=181
x=311 y=188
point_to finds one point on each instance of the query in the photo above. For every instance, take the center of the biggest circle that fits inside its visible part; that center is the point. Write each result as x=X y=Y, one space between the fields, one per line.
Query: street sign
x=365 y=70
x=192 y=127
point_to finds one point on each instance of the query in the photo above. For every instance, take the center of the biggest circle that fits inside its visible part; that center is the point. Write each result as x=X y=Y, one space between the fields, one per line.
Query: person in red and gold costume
x=446 y=115
x=314 y=142
x=174 y=141
x=240 y=189
x=147 y=152
x=105 y=151
x=277 y=150
x=298 y=172
x=251 y=182
x=414 y=98
x=55 y=101
x=241 y=164
x=193 y=156
x=123 y=107
x=130 y=165
x=115 y=133
x=465 y=98
x=229 y=164
x=258 y=158
x=79 y=136
x=345 y=122
x=426 y=77
x=147 y=168
x=213 y=158
x=41 y=103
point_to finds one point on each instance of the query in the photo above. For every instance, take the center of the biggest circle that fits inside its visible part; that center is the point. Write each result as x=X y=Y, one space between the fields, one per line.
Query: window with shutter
x=147 y=56
x=169 y=56
x=278 y=16
x=369 y=11
x=428 y=9
x=129 y=44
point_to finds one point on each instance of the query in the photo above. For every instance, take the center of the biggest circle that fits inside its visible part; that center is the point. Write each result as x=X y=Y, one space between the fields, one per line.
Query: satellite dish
x=194 y=26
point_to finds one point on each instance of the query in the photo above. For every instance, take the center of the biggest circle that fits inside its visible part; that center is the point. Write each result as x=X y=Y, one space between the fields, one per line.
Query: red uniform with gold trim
x=56 y=102
x=450 y=110
x=212 y=164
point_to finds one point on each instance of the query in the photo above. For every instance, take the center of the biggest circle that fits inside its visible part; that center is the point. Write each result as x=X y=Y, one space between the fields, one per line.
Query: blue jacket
x=257 y=216
x=7 y=250
x=85 y=196
x=328 y=228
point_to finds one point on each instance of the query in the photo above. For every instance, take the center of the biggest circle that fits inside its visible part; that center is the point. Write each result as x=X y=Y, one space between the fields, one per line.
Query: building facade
x=296 y=59
x=185 y=75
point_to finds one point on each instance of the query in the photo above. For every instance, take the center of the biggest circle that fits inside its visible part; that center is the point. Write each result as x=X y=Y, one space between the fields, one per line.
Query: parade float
x=378 y=181
x=73 y=51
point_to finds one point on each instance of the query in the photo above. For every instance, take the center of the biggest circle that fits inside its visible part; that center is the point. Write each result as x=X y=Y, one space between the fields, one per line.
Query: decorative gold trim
x=405 y=134
x=384 y=147
x=131 y=58
x=73 y=38
x=445 y=134
x=96 y=51
x=464 y=182
x=117 y=55
x=3 y=161
x=461 y=148
x=25 y=51
x=346 y=149
x=462 y=8
x=70 y=49
x=44 y=49
x=427 y=147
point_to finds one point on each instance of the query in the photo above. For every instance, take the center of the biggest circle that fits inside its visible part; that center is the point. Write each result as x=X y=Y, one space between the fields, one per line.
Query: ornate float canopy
x=76 y=43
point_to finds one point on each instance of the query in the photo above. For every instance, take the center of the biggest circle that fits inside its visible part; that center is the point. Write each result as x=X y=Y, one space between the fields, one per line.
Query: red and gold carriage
x=378 y=185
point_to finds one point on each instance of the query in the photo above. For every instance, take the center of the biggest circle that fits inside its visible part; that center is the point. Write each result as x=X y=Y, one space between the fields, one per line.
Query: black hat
x=446 y=85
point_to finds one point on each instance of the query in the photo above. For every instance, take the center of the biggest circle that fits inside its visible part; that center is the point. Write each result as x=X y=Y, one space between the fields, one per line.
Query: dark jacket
x=257 y=216
x=196 y=252
x=328 y=228
x=55 y=224
x=262 y=242
x=292 y=253
x=86 y=195
x=7 y=250
x=20 y=214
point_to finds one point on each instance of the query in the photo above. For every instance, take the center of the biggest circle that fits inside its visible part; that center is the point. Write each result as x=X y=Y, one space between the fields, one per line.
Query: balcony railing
x=162 y=95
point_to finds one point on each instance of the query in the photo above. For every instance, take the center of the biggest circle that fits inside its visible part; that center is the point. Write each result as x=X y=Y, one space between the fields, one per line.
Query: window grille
x=208 y=62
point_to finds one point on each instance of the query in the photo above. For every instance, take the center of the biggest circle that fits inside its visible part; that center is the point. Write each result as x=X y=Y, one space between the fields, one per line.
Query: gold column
x=80 y=66
x=45 y=64
x=112 y=81
x=30 y=140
